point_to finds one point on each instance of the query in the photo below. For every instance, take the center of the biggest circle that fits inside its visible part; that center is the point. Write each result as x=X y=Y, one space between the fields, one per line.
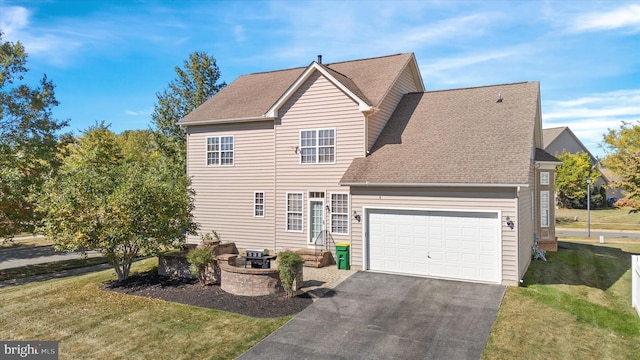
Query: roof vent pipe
x=319 y=59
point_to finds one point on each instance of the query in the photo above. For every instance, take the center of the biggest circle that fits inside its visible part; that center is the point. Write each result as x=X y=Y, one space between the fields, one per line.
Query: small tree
x=571 y=178
x=199 y=260
x=623 y=158
x=289 y=265
x=119 y=203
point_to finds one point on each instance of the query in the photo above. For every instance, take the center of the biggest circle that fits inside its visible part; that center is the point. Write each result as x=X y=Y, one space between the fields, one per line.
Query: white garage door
x=457 y=245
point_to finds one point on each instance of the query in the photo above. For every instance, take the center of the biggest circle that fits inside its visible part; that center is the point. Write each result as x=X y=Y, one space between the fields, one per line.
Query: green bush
x=289 y=264
x=199 y=260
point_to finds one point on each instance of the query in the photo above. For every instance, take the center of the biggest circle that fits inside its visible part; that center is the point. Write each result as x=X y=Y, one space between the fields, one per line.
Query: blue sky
x=108 y=59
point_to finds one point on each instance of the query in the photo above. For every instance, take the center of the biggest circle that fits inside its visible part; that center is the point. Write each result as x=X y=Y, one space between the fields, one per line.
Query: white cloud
x=591 y=116
x=14 y=18
x=137 y=112
x=627 y=17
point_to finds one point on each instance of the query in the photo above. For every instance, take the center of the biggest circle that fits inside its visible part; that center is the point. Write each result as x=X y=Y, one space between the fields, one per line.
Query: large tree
x=29 y=139
x=623 y=158
x=571 y=177
x=118 y=195
x=197 y=81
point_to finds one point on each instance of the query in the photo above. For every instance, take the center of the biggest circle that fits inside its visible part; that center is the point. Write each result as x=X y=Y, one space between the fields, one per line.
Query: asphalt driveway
x=382 y=316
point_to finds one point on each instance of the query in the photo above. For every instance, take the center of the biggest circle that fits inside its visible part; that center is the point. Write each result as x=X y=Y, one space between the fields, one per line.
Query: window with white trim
x=220 y=150
x=318 y=146
x=294 y=211
x=258 y=204
x=544 y=209
x=340 y=214
x=544 y=178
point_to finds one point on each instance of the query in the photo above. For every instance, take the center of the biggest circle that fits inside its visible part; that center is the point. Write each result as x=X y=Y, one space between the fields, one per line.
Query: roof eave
x=402 y=185
x=229 y=120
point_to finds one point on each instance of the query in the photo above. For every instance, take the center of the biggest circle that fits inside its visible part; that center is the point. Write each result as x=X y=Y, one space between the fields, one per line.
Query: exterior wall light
x=510 y=223
x=356 y=216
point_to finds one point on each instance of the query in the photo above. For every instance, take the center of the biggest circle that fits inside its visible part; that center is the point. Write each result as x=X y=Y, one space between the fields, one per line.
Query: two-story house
x=443 y=184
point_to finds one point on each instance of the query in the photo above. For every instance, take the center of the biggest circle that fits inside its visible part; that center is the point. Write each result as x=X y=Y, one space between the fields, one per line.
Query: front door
x=316 y=219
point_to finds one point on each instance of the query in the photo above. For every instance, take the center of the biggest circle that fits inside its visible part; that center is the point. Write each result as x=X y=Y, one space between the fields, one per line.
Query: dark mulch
x=191 y=292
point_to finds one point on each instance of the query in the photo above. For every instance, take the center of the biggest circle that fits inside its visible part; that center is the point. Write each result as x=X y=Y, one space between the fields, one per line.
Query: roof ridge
x=325 y=65
x=480 y=87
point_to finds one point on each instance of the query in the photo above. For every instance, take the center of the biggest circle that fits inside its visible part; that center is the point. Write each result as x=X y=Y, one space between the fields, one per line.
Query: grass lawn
x=24 y=242
x=93 y=324
x=577 y=305
x=605 y=219
x=50 y=268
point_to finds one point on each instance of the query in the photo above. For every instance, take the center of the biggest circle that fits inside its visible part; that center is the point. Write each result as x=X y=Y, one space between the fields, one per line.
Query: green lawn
x=605 y=219
x=95 y=324
x=24 y=242
x=577 y=305
x=50 y=268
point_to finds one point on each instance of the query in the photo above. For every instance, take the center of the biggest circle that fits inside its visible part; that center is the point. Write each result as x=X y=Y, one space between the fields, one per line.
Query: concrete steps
x=316 y=259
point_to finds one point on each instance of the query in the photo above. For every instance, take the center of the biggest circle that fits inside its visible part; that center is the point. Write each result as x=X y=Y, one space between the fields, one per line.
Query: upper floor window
x=220 y=150
x=544 y=178
x=318 y=146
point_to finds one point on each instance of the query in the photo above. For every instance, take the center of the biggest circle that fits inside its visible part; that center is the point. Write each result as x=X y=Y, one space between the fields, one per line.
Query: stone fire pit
x=249 y=281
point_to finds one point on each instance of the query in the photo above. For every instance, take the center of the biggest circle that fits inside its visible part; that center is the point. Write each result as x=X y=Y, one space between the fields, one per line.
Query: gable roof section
x=258 y=96
x=549 y=136
x=454 y=137
x=543 y=156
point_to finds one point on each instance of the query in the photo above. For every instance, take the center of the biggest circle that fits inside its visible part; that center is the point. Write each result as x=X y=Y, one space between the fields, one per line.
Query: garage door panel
x=460 y=245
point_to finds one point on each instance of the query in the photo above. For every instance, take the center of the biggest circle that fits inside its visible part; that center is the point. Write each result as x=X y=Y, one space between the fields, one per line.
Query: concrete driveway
x=382 y=316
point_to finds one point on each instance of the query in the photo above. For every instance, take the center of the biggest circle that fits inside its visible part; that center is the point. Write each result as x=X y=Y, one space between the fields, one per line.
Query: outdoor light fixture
x=510 y=223
x=356 y=216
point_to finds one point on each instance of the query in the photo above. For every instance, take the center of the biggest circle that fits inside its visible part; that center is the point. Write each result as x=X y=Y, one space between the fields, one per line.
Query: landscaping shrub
x=200 y=259
x=289 y=264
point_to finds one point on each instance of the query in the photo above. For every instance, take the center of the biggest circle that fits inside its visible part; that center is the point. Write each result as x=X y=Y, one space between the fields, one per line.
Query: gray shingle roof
x=252 y=95
x=550 y=134
x=542 y=155
x=460 y=136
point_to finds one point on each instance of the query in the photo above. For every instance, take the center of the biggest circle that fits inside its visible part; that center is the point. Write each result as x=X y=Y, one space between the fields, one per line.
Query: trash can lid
x=343 y=244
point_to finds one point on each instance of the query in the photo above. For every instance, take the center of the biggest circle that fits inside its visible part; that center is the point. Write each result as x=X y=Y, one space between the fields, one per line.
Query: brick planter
x=249 y=282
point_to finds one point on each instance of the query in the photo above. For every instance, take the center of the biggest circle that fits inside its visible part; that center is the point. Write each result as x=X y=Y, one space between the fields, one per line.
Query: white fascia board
x=273 y=111
x=230 y=120
x=547 y=165
x=402 y=185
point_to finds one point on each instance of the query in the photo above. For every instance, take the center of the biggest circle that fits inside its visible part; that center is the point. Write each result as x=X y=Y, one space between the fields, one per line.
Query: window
x=544 y=178
x=220 y=150
x=318 y=146
x=294 y=212
x=340 y=214
x=258 y=204
x=544 y=209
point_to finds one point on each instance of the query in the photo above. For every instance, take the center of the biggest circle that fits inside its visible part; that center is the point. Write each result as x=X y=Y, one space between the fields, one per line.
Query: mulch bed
x=191 y=292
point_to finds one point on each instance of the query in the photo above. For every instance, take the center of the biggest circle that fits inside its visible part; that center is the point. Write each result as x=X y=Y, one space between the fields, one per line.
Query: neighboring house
x=451 y=184
x=560 y=139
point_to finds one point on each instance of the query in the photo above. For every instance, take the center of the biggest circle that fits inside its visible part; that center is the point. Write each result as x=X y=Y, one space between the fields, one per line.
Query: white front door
x=316 y=219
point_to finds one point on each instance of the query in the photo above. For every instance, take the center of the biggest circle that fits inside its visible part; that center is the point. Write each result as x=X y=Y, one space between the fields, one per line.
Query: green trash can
x=342 y=256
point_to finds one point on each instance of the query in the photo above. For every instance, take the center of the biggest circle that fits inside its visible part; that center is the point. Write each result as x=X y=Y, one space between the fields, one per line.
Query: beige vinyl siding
x=479 y=199
x=317 y=104
x=526 y=223
x=376 y=122
x=225 y=194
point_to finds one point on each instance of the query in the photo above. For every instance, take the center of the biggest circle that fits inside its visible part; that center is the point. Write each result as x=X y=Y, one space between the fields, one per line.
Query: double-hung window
x=258 y=204
x=340 y=214
x=544 y=209
x=294 y=211
x=318 y=146
x=220 y=150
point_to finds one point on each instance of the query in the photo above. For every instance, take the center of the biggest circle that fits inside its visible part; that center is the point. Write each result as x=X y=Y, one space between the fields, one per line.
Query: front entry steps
x=316 y=258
